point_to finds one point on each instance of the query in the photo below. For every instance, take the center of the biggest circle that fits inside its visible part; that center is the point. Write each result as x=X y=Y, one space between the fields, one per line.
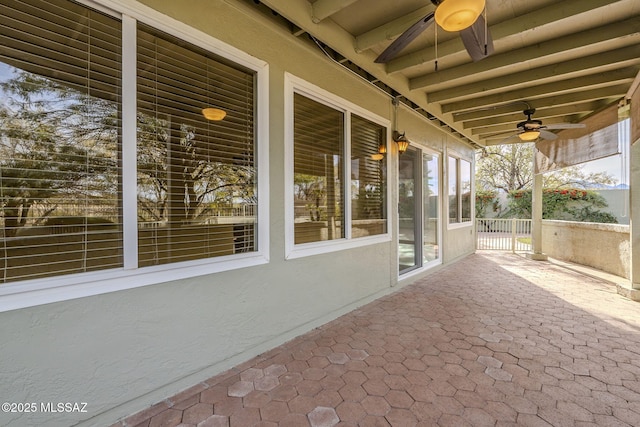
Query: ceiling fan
x=531 y=129
x=464 y=16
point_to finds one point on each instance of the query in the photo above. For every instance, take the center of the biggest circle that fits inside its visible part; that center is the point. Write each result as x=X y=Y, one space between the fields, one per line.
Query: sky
x=612 y=165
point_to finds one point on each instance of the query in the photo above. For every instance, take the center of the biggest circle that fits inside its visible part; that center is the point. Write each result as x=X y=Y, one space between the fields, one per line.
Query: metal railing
x=503 y=234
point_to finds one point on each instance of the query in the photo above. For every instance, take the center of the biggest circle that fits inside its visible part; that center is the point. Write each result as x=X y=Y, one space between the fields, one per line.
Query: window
x=65 y=140
x=338 y=185
x=318 y=171
x=454 y=202
x=368 y=178
x=60 y=140
x=459 y=190
x=196 y=177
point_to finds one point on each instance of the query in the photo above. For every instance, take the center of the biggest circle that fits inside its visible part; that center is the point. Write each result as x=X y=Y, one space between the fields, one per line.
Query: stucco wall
x=123 y=351
x=601 y=246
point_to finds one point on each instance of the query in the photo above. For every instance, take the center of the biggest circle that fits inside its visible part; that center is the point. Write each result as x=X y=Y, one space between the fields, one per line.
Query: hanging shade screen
x=60 y=191
x=196 y=177
x=318 y=171
x=598 y=140
x=368 y=214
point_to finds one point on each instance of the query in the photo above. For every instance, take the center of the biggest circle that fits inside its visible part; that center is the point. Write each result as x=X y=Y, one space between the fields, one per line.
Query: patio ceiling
x=567 y=59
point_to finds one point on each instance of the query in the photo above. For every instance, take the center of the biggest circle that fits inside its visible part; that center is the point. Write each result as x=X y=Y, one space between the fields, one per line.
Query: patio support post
x=633 y=104
x=536 y=223
x=634 y=214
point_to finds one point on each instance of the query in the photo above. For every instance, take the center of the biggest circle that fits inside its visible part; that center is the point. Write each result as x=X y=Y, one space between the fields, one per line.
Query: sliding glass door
x=418 y=210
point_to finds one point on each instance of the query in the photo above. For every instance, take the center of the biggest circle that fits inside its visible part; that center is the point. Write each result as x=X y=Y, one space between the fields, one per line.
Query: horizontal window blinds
x=367 y=178
x=196 y=177
x=60 y=191
x=318 y=171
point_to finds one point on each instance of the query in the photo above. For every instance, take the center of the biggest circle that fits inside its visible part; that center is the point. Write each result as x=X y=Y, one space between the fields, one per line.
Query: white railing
x=503 y=234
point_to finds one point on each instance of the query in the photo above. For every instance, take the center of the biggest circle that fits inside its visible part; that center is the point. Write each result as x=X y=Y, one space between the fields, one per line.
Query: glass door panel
x=431 y=200
x=407 y=208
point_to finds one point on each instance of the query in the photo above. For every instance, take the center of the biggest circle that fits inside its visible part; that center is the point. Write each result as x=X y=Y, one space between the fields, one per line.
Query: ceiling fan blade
x=405 y=38
x=566 y=126
x=545 y=134
x=475 y=42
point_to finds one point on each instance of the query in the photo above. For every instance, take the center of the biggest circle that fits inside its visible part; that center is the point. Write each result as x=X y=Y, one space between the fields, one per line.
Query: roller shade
x=597 y=140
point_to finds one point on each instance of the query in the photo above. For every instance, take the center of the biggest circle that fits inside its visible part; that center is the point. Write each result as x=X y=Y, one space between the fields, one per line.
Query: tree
x=505 y=167
x=59 y=146
x=178 y=180
x=510 y=168
x=56 y=145
x=563 y=204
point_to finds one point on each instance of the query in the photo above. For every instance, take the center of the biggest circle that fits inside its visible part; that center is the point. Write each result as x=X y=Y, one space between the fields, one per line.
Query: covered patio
x=518 y=342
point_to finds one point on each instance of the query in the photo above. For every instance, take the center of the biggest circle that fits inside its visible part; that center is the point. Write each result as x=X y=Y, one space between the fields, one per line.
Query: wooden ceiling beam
x=504 y=32
x=322 y=9
x=528 y=82
x=390 y=30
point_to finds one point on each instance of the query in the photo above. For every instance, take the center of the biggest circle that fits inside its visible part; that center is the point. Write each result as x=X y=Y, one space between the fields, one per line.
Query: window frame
x=33 y=292
x=296 y=85
x=458 y=159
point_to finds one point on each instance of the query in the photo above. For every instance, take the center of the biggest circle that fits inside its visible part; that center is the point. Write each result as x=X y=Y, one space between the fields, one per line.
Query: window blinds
x=318 y=171
x=60 y=192
x=367 y=178
x=196 y=178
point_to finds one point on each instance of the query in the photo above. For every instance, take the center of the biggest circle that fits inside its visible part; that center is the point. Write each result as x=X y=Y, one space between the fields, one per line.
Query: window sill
x=457 y=225
x=14 y=296
x=317 y=248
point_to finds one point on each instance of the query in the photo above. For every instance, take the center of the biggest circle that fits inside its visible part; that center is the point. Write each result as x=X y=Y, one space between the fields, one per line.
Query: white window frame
x=458 y=157
x=294 y=84
x=28 y=293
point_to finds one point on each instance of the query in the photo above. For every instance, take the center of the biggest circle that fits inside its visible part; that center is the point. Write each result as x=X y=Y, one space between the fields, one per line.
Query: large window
x=65 y=136
x=196 y=177
x=339 y=189
x=60 y=140
x=318 y=171
x=459 y=190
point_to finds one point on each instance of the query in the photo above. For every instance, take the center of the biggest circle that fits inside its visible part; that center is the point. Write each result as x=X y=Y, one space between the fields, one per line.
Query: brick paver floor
x=493 y=340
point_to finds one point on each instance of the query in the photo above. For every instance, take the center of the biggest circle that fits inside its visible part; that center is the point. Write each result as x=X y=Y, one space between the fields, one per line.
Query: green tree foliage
x=193 y=184
x=564 y=204
x=56 y=144
x=60 y=146
x=505 y=168
x=510 y=168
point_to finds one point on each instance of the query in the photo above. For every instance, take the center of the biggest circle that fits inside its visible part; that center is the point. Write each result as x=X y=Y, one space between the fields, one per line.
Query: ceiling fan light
x=214 y=113
x=456 y=15
x=529 y=135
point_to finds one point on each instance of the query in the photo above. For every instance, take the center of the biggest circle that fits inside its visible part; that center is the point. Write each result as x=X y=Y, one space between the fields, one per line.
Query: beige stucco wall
x=123 y=351
x=601 y=246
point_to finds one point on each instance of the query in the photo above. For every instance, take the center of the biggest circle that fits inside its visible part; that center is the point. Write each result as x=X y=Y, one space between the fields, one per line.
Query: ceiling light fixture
x=529 y=135
x=456 y=15
x=214 y=113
